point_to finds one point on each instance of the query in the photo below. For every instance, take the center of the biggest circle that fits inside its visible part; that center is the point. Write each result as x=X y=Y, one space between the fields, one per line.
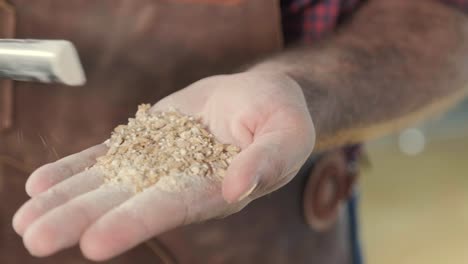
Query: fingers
x=57 y=195
x=63 y=226
x=138 y=219
x=146 y=215
x=53 y=173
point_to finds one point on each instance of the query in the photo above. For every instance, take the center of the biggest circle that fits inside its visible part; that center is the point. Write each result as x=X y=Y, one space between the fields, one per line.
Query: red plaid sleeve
x=310 y=20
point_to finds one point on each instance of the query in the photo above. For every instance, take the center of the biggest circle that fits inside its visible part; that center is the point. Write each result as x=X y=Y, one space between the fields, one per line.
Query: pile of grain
x=165 y=147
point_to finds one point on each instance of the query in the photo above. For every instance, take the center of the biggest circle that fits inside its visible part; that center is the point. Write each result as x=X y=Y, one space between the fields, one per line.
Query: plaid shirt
x=309 y=20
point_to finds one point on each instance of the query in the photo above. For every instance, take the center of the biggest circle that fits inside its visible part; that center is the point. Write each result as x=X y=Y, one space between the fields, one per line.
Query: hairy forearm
x=395 y=63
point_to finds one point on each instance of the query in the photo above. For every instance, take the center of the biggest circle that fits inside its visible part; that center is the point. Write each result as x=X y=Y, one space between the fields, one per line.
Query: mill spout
x=47 y=61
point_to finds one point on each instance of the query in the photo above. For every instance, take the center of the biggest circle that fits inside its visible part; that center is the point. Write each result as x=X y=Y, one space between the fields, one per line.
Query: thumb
x=265 y=165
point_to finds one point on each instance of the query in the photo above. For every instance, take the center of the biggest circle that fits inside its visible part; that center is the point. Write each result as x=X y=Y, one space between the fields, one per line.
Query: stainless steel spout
x=45 y=61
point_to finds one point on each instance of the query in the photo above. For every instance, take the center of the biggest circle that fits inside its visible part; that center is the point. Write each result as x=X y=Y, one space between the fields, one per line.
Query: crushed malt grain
x=166 y=148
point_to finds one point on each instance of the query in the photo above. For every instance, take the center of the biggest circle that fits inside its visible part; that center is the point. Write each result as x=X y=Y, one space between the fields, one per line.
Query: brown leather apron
x=137 y=51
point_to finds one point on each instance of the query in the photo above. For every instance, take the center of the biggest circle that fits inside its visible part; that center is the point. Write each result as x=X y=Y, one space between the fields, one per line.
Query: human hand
x=264 y=114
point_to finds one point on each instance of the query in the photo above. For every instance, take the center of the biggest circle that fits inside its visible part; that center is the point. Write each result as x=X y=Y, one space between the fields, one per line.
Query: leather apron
x=138 y=51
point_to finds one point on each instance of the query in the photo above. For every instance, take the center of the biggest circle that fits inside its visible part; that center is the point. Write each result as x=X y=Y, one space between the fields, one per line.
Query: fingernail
x=248 y=192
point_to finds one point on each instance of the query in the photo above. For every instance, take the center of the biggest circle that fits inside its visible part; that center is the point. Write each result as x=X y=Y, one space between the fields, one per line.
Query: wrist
x=277 y=75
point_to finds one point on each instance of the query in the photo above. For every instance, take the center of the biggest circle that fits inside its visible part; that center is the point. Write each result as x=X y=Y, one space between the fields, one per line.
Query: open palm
x=266 y=115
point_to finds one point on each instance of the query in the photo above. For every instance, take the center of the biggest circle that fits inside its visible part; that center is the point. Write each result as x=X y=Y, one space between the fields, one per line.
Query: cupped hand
x=262 y=113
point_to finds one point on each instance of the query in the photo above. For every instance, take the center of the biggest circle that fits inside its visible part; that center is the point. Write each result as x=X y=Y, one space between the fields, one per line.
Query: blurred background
x=415 y=194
